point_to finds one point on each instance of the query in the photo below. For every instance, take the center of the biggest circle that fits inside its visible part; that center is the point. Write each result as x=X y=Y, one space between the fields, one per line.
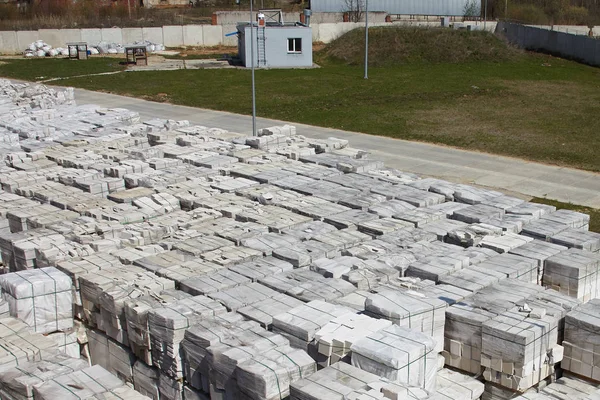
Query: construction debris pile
x=189 y=262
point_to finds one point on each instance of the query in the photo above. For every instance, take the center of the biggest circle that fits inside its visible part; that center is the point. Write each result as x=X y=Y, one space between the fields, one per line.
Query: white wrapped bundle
x=269 y=375
x=454 y=385
x=136 y=315
x=78 y=385
x=17 y=382
x=42 y=298
x=410 y=309
x=67 y=342
x=582 y=340
x=398 y=354
x=167 y=327
x=209 y=332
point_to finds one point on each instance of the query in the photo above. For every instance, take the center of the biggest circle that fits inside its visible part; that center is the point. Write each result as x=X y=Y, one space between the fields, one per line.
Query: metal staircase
x=261 y=47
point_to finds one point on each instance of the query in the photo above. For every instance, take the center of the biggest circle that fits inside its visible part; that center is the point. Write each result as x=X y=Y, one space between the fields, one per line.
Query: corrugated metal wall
x=406 y=7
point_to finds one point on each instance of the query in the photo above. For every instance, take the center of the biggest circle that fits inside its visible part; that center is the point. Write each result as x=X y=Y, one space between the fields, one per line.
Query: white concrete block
x=212 y=35
x=173 y=35
x=192 y=35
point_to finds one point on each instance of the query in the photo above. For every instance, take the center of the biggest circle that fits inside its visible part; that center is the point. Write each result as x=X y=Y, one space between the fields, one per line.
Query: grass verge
x=594 y=213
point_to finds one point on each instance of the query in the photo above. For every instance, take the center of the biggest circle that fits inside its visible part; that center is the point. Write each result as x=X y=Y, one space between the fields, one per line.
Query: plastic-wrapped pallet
x=243 y=295
x=582 y=340
x=136 y=315
x=300 y=324
x=169 y=388
x=333 y=383
x=410 y=309
x=453 y=385
x=18 y=382
x=364 y=274
x=167 y=326
x=575 y=273
x=145 y=379
x=42 y=298
x=82 y=384
x=333 y=341
x=198 y=338
x=539 y=251
x=4 y=309
x=513 y=266
x=264 y=311
x=565 y=388
x=68 y=341
x=399 y=354
x=111 y=355
x=269 y=375
x=519 y=347
x=18 y=345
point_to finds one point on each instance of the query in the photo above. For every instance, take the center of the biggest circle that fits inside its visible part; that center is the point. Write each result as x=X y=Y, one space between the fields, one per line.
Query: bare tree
x=355 y=9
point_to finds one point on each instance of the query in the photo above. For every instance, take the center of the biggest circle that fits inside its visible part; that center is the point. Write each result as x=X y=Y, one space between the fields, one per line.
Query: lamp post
x=254 y=133
x=366 y=39
x=485 y=15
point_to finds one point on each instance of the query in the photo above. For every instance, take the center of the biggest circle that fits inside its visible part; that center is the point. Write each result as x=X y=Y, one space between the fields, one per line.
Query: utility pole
x=252 y=61
x=485 y=15
x=366 y=39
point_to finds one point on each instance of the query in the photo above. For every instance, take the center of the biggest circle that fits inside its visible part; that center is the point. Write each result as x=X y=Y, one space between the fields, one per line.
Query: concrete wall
x=12 y=42
x=581 y=48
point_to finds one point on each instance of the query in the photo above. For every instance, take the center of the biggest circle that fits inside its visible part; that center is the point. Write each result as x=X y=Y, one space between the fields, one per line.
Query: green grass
x=500 y=101
x=594 y=213
x=46 y=68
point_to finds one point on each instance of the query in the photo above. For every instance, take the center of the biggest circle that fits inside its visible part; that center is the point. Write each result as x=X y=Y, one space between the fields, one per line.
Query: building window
x=295 y=45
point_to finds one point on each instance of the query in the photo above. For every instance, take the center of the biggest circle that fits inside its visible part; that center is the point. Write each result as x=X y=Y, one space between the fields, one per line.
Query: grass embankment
x=594 y=213
x=464 y=89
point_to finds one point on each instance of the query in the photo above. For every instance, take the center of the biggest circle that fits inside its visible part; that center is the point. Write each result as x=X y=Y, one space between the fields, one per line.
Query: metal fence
x=577 y=47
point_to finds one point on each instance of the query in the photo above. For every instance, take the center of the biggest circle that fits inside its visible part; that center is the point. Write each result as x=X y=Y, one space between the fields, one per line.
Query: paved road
x=508 y=174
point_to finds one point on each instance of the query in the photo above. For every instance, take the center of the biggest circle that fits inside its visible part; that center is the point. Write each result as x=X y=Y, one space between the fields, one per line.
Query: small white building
x=277 y=44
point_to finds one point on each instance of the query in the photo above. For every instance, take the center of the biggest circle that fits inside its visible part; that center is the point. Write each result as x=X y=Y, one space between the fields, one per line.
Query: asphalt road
x=508 y=174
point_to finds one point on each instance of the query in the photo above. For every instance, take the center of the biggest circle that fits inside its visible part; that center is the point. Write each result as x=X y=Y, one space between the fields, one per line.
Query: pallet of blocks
x=575 y=273
x=42 y=298
x=110 y=355
x=136 y=316
x=18 y=382
x=410 y=309
x=167 y=326
x=582 y=340
x=335 y=382
x=145 y=379
x=333 y=341
x=520 y=347
x=455 y=385
x=398 y=354
x=565 y=388
x=81 y=384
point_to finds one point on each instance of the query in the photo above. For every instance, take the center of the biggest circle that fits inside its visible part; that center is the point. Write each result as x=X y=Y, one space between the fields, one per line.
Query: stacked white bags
x=39 y=48
x=42 y=298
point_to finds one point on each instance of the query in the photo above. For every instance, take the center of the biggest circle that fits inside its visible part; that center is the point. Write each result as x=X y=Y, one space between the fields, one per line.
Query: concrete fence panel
x=8 y=43
x=229 y=40
x=92 y=36
x=112 y=35
x=192 y=35
x=212 y=34
x=154 y=35
x=59 y=37
x=24 y=38
x=173 y=35
x=132 y=35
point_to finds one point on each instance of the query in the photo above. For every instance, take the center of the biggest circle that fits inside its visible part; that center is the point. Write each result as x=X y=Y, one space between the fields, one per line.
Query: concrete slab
x=131 y=35
x=112 y=35
x=8 y=42
x=192 y=35
x=24 y=38
x=60 y=37
x=212 y=35
x=155 y=35
x=173 y=35
x=92 y=36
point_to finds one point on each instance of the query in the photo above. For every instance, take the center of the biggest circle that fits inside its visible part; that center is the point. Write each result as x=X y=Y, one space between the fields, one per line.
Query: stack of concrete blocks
x=18 y=345
x=334 y=340
x=306 y=285
x=145 y=379
x=301 y=324
x=575 y=273
x=565 y=388
x=136 y=316
x=410 y=309
x=520 y=348
x=578 y=239
x=41 y=298
x=365 y=275
x=399 y=354
x=167 y=326
x=455 y=385
x=582 y=341
x=539 y=251
x=110 y=355
x=18 y=383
